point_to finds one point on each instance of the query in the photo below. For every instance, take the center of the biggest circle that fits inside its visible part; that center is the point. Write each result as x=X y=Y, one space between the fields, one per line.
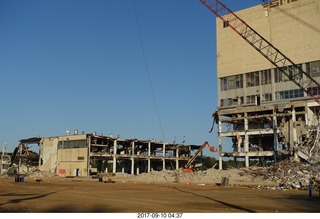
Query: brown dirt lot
x=90 y=195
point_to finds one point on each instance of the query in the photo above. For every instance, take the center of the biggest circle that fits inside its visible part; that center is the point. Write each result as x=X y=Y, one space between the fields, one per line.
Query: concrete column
x=275 y=138
x=177 y=158
x=20 y=153
x=132 y=158
x=294 y=130
x=164 y=154
x=294 y=133
x=40 y=154
x=2 y=155
x=246 y=139
x=114 y=160
x=220 y=142
x=88 y=161
x=149 y=154
x=239 y=142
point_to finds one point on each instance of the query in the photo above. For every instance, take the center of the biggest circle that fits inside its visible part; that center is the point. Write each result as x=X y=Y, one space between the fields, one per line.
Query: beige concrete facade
x=72 y=162
x=292 y=27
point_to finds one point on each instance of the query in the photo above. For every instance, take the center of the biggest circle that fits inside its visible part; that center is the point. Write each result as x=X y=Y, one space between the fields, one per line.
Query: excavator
x=187 y=168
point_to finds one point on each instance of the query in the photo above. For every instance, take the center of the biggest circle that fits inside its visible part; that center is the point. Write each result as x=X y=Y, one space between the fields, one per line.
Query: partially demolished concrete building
x=89 y=154
x=261 y=113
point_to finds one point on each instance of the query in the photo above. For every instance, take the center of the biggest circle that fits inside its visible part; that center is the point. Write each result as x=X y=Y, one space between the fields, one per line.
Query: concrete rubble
x=281 y=175
x=208 y=177
x=287 y=175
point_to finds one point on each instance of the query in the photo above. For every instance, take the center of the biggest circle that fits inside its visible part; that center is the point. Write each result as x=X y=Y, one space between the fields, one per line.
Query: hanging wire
x=147 y=70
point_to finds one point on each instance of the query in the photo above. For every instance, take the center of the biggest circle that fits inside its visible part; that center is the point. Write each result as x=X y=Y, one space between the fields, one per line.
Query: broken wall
x=48 y=154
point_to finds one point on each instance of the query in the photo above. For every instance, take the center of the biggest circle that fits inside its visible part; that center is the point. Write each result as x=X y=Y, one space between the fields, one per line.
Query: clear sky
x=80 y=64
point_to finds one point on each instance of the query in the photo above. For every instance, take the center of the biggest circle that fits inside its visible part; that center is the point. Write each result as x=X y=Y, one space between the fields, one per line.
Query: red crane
x=294 y=72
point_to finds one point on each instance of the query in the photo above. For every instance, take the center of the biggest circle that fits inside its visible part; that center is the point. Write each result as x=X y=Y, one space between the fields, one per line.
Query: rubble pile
x=281 y=175
x=211 y=176
x=26 y=170
x=287 y=174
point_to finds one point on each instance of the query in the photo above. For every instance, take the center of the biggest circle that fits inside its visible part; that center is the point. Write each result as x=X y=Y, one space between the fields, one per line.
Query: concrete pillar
x=246 y=139
x=164 y=154
x=2 y=155
x=177 y=158
x=294 y=130
x=239 y=142
x=88 y=161
x=40 y=154
x=20 y=153
x=220 y=142
x=275 y=137
x=149 y=154
x=132 y=158
x=114 y=157
x=294 y=133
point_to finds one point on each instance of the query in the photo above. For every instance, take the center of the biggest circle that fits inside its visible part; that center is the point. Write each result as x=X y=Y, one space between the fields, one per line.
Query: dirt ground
x=90 y=195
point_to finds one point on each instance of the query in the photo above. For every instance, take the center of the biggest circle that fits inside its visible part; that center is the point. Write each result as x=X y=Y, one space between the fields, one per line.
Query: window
x=279 y=76
x=223 y=103
x=251 y=99
x=267 y=97
x=289 y=94
x=292 y=73
x=315 y=69
x=266 y=77
x=239 y=81
x=315 y=91
x=72 y=144
x=308 y=71
x=231 y=83
x=231 y=101
x=241 y=100
x=252 y=79
x=224 y=84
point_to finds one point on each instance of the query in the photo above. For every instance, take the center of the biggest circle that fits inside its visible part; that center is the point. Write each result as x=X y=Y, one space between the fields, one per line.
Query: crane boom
x=291 y=70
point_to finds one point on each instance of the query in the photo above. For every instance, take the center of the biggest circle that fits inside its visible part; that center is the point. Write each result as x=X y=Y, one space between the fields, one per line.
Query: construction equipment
x=291 y=70
x=187 y=168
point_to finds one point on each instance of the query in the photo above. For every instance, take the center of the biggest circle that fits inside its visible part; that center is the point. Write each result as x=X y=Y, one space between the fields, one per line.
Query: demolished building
x=261 y=113
x=90 y=154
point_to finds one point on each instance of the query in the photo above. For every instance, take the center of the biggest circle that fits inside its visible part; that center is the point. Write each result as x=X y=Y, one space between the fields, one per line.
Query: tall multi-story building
x=261 y=113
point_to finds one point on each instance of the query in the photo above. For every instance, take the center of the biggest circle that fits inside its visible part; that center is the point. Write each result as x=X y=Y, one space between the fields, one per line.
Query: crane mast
x=291 y=70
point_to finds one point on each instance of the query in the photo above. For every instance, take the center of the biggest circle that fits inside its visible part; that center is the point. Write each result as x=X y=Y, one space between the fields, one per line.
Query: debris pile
x=287 y=174
x=26 y=170
x=281 y=175
x=211 y=176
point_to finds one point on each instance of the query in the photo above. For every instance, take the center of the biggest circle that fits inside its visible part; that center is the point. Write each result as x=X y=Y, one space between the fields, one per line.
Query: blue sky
x=79 y=64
